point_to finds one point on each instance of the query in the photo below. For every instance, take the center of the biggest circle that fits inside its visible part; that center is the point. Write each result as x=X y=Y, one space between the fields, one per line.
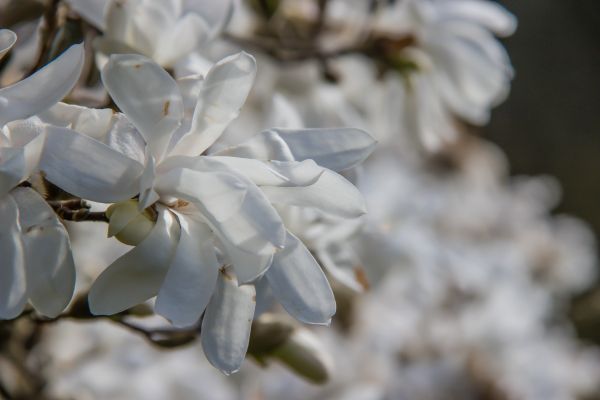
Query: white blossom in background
x=451 y=68
x=216 y=223
x=37 y=264
x=171 y=32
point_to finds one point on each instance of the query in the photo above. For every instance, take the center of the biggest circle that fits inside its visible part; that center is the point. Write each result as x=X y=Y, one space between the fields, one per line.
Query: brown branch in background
x=378 y=47
x=161 y=337
x=47 y=31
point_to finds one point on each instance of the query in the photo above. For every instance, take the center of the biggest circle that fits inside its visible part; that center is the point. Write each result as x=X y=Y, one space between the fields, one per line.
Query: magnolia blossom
x=216 y=228
x=457 y=61
x=168 y=31
x=36 y=257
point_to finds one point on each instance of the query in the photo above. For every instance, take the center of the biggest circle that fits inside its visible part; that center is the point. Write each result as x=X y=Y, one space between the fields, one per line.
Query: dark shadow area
x=551 y=122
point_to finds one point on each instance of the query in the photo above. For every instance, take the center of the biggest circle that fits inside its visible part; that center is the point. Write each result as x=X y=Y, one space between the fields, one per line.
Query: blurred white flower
x=168 y=31
x=37 y=263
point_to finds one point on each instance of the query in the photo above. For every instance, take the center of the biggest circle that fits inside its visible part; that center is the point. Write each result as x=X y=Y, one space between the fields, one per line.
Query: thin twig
x=77 y=210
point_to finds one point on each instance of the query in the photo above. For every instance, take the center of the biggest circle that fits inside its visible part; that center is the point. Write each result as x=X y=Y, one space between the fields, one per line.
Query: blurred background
x=550 y=123
x=551 y=120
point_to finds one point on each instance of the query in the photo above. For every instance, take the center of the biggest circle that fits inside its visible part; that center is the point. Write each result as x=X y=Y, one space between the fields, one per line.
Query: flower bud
x=128 y=224
x=305 y=355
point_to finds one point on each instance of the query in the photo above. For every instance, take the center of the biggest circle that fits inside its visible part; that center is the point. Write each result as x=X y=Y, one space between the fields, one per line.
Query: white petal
x=486 y=13
x=223 y=93
x=49 y=263
x=87 y=168
x=226 y=324
x=235 y=208
x=299 y=284
x=148 y=195
x=248 y=266
x=92 y=11
x=19 y=161
x=192 y=277
x=335 y=148
x=147 y=95
x=42 y=89
x=89 y=121
x=283 y=114
x=137 y=276
x=216 y=13
x=140 y=23
x=12 y=269
x=104 y=125
x=7 y=40
x=181 y=39
x=274 y=173
x=332 y=194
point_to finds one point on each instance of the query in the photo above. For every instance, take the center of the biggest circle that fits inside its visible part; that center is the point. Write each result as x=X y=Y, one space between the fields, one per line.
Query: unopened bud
x=128 y=224
x=305 y=355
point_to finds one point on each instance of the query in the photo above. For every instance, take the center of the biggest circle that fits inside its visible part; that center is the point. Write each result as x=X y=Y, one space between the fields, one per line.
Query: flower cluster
x=200 y=170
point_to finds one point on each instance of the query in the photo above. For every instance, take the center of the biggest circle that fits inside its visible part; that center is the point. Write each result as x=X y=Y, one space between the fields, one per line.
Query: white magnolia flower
x=36 y=257
x=216 y=224
x=456 y=53
x=168 y=31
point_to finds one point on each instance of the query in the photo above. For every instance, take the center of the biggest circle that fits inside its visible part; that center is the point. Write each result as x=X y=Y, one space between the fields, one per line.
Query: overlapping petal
x=192 y=276
x=223 y=93
x=49 y=265
x=337 y=149
x=21 y=158
x=234 y=207
x=186 y=35
x=226 y=323
x=138 y=275
x=42 y=89
x=12 y=269
x=331 y=193
x=87 y=168
x=299 y=284
x=148 y=95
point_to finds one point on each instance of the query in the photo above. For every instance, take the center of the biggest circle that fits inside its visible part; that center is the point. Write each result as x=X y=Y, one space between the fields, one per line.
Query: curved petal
x=234 y=207
x=137 y=276
x=147 y=95
x=274 y=173
x=148 y=195
x=12 y=269
x=224 y=92
x=192 y=277
x=92 y=11
x=7 y=40
x=181 y=39
x=87 y=168
x=20 y=160
x=226 y=324
x=488 y=14
x=248 y=266
x=333 y=148
x=299 y=284
x=217 y=14
x=49 y=264
x=332 y=194
x=42 y=89
x=139 y=24
x=89 y=121
x=104 y=125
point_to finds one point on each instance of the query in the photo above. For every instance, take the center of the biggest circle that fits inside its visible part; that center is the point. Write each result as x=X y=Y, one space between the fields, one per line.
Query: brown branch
x=77 y=210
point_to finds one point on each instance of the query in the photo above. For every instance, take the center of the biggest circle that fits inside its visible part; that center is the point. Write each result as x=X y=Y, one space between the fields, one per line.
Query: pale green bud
x=304 y=354
x=128 y=224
